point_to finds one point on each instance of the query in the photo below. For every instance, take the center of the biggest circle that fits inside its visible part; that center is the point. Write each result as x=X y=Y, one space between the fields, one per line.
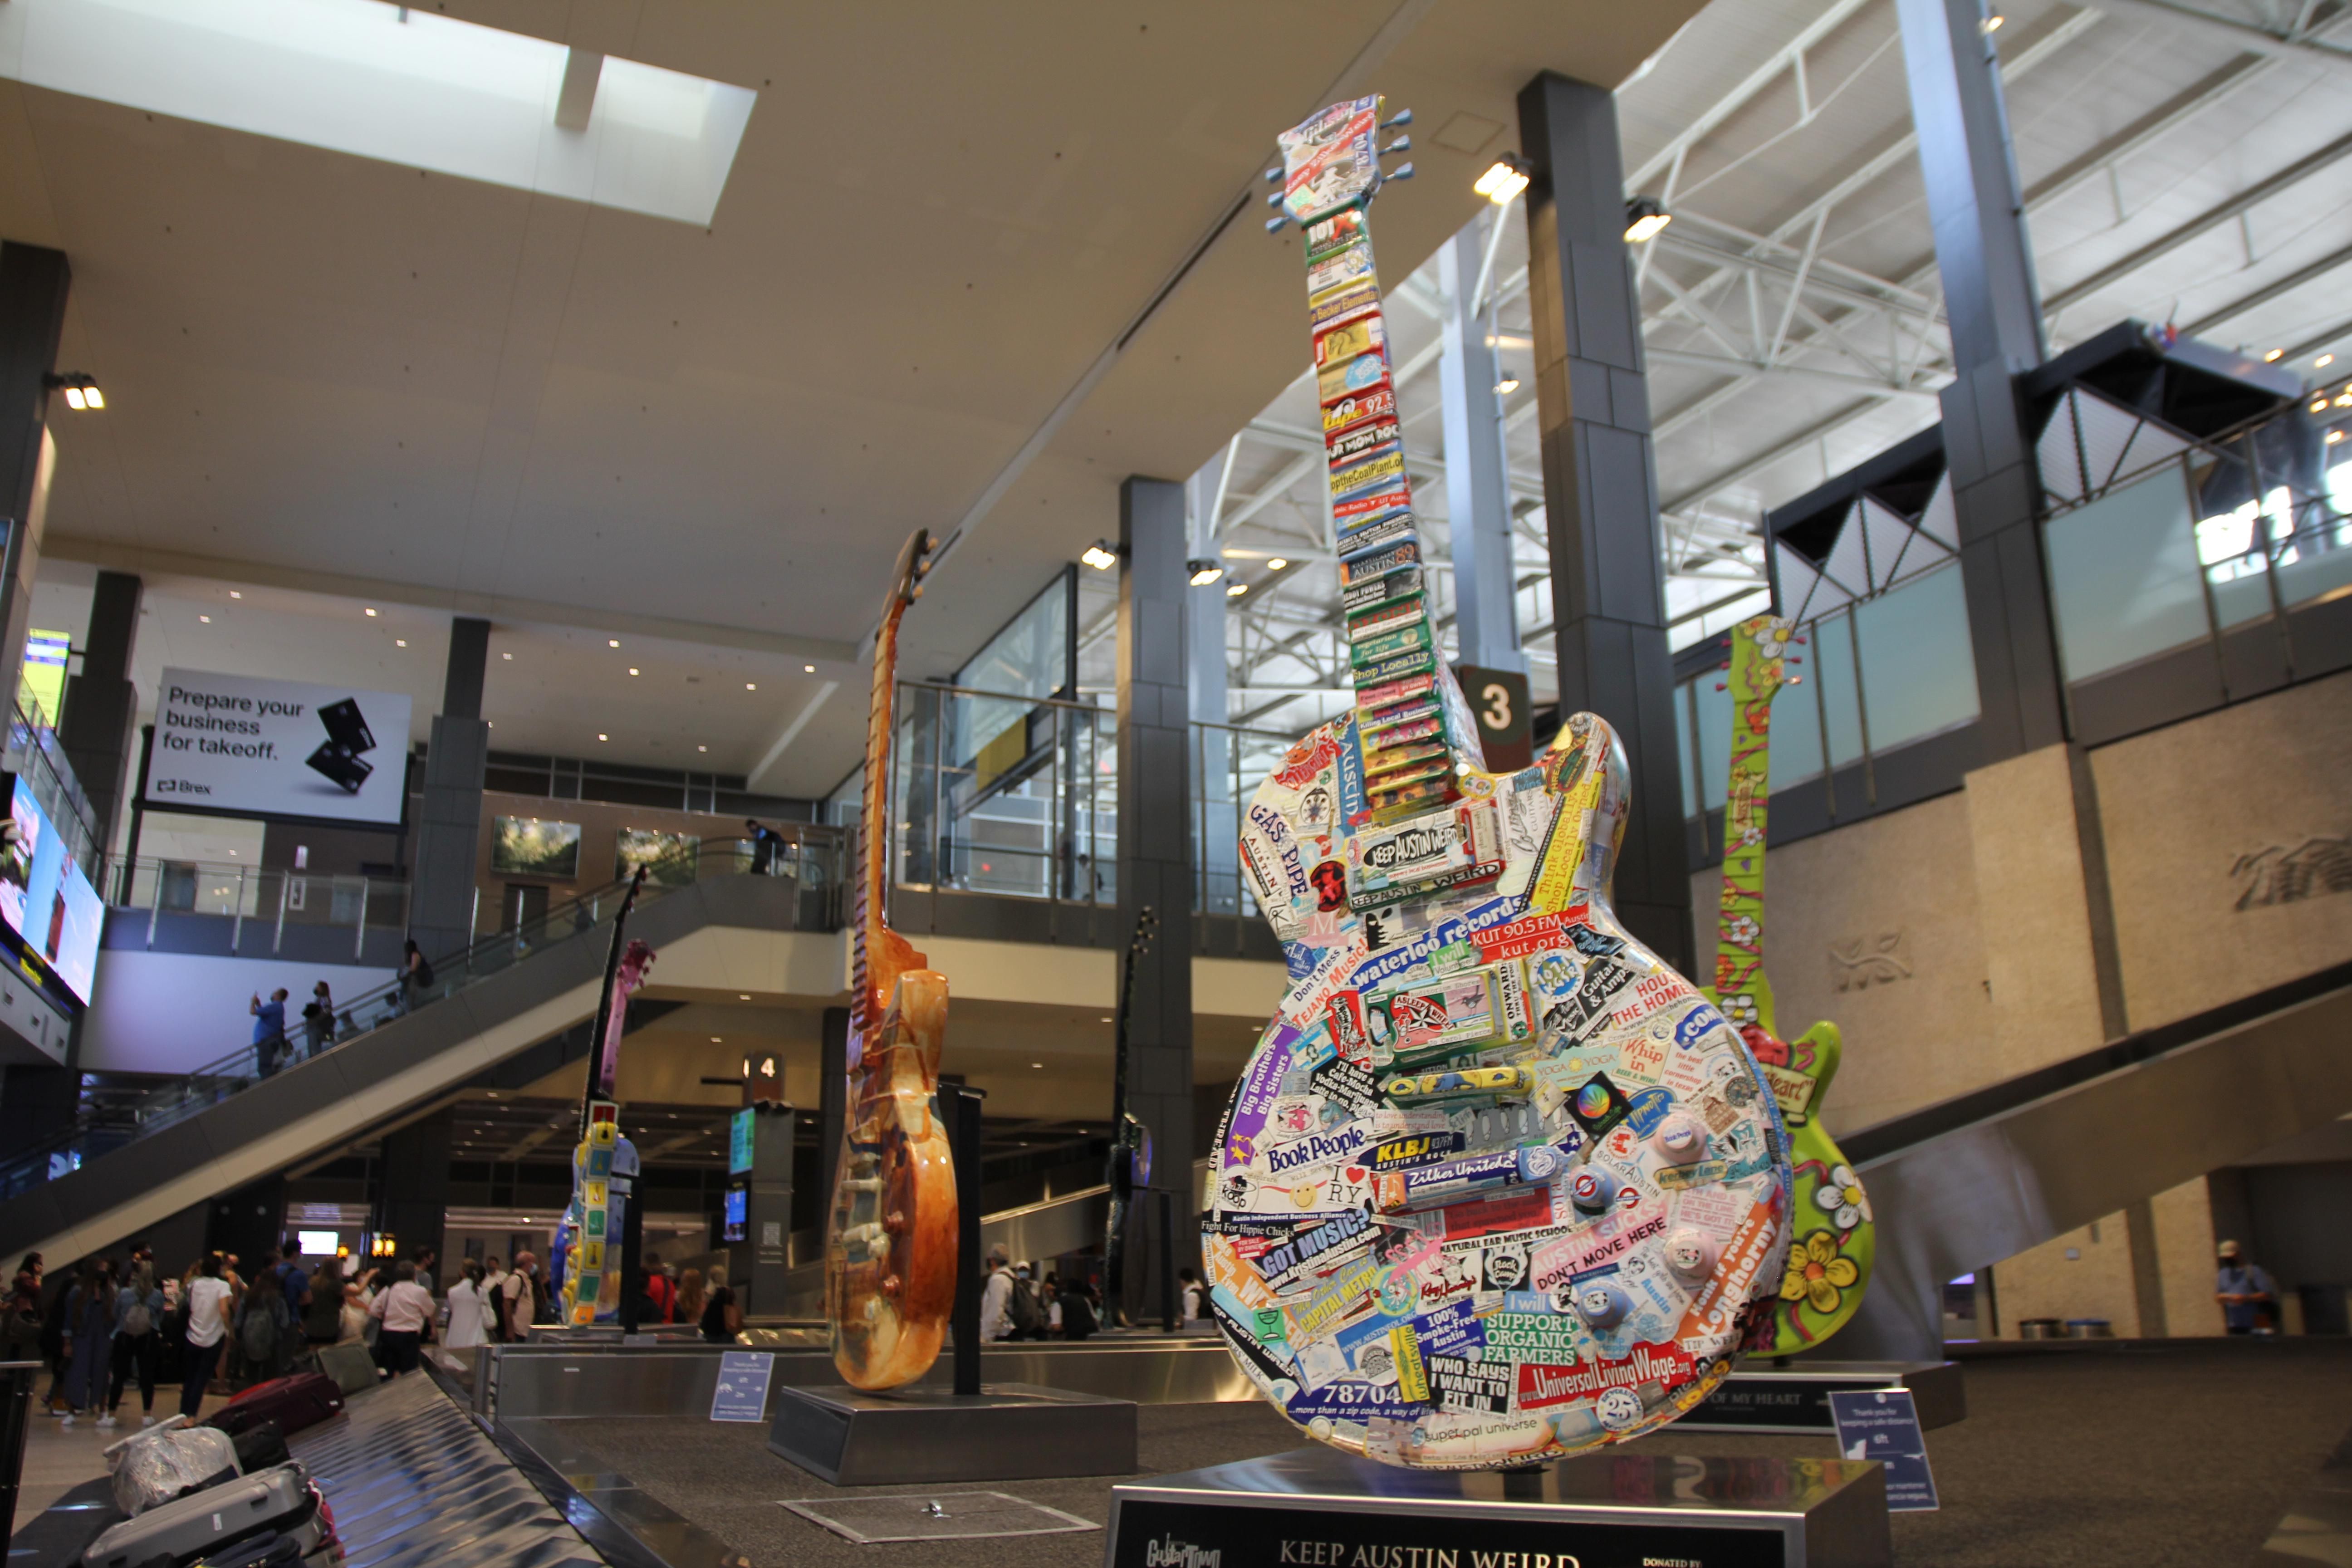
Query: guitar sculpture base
x=1315 y=1505
x=1006 y=1432
x=1761 y=1397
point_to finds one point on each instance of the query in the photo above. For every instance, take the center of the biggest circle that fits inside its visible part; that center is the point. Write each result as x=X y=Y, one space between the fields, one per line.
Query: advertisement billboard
x=246 y=746
x=47 y=901
x=742 y=1133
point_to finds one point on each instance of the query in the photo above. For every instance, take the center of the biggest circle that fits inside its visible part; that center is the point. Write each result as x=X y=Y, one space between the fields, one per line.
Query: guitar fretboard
x=1400 y=714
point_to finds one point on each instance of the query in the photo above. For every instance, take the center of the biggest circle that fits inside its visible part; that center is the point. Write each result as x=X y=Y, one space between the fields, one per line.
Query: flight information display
x=47 y=901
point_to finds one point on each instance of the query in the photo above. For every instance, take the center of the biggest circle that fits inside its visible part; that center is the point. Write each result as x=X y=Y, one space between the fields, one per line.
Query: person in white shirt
x=209 y=1296
x=404 y=1311
x=469 y=1312
x=516 y=1300
x=996 y=1297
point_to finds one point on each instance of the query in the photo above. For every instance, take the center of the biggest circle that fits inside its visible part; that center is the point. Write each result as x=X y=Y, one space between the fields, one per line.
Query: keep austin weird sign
x=1151 y=1533
x=258 y=747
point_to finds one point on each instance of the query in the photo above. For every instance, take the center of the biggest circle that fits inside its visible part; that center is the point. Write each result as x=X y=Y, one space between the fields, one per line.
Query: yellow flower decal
x=1818 y=1273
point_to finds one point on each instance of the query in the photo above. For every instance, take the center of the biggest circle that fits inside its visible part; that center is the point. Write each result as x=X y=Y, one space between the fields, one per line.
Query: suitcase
x=173 y=1464
x=271 y=1551
x=182 y=1531
x=296 y=1403
x=352 y=1366
x=261 y=1447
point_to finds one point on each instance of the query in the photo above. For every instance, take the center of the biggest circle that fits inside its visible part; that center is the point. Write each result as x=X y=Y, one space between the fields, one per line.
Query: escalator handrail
x=203 y=1085
x=1898 y=1134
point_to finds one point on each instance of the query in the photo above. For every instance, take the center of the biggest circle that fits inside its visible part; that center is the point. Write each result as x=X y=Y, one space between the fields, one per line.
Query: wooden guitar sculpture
x=890 y=1263
x=1829 y=1259
x=1496 y=1185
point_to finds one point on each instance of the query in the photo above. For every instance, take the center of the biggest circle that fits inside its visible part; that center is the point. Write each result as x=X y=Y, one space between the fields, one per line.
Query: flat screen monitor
x=741 y=1128
x=318 y=1243
x=737 y=1214
x=47 y=901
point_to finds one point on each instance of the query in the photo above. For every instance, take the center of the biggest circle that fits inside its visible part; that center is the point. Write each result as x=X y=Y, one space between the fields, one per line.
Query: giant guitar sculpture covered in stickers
x=1832 y=1237
x=1496 y=1185
x=890 y=1256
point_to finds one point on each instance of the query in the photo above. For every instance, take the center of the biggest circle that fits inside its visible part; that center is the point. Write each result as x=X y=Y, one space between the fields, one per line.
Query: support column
x=412 y=1200
x=831 y=1098
x=1215 y=816
x=1154 y=854
x=1600 y=484
x=1989 y=297
x=101 y=725
x=449 y=822
x=1477 y=490
x=33 y=283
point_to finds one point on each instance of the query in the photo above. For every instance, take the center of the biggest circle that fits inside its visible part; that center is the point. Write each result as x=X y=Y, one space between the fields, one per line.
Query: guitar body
x=1834 y=1239
x=1498 y=1185
x=891 y=1244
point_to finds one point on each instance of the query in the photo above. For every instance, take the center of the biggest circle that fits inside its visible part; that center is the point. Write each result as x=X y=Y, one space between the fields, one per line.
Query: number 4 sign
x=1506 y=731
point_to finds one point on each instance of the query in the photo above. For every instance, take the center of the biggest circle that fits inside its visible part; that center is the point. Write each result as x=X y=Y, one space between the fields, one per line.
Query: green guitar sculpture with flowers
x=1832 y=1235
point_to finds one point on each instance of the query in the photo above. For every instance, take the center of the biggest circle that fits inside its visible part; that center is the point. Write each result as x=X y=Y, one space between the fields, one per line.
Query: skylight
x=404 y=85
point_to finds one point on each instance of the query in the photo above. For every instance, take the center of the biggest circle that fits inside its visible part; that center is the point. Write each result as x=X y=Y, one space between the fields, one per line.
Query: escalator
x=1962 y=1184
x=117 y=1172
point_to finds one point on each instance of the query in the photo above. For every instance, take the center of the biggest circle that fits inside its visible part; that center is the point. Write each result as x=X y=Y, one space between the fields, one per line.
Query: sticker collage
x=1496 y=1185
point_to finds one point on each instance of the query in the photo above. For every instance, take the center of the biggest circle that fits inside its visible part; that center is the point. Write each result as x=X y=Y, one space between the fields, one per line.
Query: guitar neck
x=1753 y=682
x=874 y=828
x=1408 y=731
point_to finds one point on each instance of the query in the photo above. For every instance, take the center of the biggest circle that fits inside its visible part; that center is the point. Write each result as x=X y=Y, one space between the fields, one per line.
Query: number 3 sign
x=1499 y=698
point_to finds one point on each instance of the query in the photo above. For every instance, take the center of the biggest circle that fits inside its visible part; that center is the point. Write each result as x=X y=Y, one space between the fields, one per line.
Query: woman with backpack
x=415 y=976
x=138 y=1338
x=264 y=1330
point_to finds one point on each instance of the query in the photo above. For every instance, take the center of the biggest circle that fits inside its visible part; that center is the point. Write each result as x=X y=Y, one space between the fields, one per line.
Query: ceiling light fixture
x=601 y=736
x=234 y=594
x=1100 y=555
x=742 y=996
x=718 y=1040
x=633 y=669
x=80 y=389
x=1992 y=24
x=1644 y=219
x=750 y=686
x=400 y=642
x=702 y=747
x=2334 y=437
x=2319 y=404
x=1203 y=573
x=808 y=669
x=1277 y=563
x=207 y=619
x=1507 y=385
x=2273 y=356
x=1505 y=178
x=2323 y=361
x=612 y=642
x=371 y=612
x=506 y=656
x=1236 y=590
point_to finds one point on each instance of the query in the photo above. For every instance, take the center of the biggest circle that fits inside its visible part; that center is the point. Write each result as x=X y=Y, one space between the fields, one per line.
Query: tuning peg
x=1402 y=145
x=1273 y=199
x=1799 y=641
x=1401 y=172
x=1795 y=661
x=1274 y=175
x=1274 y=225
x=1401 y=117
x=1719 y=686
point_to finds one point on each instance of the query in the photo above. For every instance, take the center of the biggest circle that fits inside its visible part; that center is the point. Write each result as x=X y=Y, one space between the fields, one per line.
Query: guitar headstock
x=1332 y=161
x=907 y=577
x=1760 y=655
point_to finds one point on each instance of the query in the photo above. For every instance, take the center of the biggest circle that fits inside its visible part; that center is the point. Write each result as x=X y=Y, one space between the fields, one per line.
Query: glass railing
x=149 y=887
x=2210 y=537
x=116 y=1109
x=1873 y=676
x=33 y=753
x=1019 y=797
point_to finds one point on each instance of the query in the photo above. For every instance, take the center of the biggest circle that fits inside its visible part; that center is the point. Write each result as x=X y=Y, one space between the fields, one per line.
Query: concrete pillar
x=1477 y=488
x=1987 y=267
x=1216 y=820
x=449 y=820
x=1600 y=484
x=33 y=283
x=769 y=1212
x=832 y=1096
x=99 y=728
x=412 y=1197
x=1154 y=855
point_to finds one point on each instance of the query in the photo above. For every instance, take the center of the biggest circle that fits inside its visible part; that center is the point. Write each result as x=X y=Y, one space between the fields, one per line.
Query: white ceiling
x=350 y=380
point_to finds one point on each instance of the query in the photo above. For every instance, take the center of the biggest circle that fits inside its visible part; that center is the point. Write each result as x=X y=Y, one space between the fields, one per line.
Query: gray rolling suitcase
x=188 y=1528
x=352 y=1366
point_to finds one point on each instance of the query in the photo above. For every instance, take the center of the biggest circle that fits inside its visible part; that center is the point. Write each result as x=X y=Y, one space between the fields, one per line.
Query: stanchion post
x=1167 y=1261
x=962 y=1101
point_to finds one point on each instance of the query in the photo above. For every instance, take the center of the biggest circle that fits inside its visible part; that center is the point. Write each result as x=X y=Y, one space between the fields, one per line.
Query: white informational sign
x=257 y=747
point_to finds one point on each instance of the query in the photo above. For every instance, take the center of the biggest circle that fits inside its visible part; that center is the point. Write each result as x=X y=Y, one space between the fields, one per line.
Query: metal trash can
x=2041 y=1328
x=2089 y=1329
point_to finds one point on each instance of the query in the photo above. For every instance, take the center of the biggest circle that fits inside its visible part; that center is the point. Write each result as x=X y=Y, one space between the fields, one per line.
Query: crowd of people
x=1017 y=1305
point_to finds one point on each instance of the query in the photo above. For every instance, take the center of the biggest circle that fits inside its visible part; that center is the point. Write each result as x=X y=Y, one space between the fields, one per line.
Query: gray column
x=449 y=820
x=412 y=1200
x=1216 y=819
x=33 y=283
x=1154 y=851
x=99 y=728
x=1477 y=491
x=832 y=1097
x=1601 y=484
x=1989 y=297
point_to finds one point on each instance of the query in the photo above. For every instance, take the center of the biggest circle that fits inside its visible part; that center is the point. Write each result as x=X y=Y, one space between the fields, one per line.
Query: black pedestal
x=1321 y=1505
x=1007 y=1432
x=1761 y=1397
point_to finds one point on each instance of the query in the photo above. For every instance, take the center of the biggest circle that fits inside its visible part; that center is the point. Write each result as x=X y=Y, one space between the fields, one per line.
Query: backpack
x=1077 y=1316
x=257 y=1332
x=136 y=1319
x=1026 y=1315
x=424 y=972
